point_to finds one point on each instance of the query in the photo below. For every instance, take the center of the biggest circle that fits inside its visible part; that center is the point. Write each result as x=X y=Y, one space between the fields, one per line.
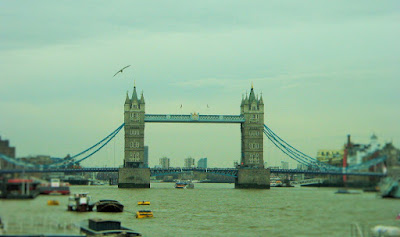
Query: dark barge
x=99 y=227
x=109 y=206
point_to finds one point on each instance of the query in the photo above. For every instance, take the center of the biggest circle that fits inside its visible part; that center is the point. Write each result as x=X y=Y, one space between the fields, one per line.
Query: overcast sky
x=325 y=69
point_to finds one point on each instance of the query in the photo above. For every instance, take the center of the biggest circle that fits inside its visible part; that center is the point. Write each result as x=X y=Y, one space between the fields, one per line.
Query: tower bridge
x=251 y=119
x=250 y=174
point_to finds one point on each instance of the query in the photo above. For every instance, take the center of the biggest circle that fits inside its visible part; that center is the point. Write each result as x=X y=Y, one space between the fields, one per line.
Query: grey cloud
x=31 y=24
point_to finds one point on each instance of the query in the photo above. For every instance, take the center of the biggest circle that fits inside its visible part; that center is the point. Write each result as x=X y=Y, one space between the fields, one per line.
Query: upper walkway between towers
x=193 y=118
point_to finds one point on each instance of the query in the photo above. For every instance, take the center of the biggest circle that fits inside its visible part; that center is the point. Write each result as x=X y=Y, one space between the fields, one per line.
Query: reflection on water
x=213 y=210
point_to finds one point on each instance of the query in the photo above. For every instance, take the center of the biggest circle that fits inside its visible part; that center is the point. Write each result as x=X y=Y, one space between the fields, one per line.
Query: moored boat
x=345 y=191
x=109 y=206
x=99 y=227
x=18 y=188
x=275 y=182
x=180 y=185
x=143 y=203
x=53 y=202
x=54 y=187
x=144 y=214
x=80 y=202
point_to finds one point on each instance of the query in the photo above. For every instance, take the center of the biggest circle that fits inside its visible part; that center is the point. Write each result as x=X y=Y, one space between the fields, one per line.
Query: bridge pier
x=134 y=178
x=252 y=178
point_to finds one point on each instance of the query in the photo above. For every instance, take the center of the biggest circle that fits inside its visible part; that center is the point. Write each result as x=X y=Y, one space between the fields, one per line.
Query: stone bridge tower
x=134 y=110
x=252 y=108
x=133 y=174
x=251 y=173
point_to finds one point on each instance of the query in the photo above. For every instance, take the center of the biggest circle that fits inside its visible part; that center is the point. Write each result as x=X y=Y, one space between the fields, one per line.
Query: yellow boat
x=144 y=214
x=53 y=203
x=144 y=203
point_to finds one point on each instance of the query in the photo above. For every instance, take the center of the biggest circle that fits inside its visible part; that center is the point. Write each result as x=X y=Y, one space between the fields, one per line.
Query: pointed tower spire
x=261 y=99
x=127 y=100
x=134 y=94
x=252 y=97
x=142 y=98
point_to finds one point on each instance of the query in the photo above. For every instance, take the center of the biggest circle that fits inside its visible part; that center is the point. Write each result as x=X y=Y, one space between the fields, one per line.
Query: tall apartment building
x=164 y=162
x=202 y=163
x=189 y=162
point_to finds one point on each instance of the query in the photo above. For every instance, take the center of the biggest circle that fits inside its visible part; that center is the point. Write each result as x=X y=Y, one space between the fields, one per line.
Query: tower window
x=134 y=132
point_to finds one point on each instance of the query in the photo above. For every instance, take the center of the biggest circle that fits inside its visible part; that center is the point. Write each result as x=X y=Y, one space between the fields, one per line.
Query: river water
x=212 y=210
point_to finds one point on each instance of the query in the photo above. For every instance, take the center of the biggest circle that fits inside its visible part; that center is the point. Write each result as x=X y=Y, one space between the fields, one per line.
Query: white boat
x=275 y=182
x=80 y=202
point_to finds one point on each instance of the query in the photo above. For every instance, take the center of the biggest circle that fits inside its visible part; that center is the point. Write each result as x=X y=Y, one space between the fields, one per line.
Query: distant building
x=235 y=164
x=38 y=160
x=202 y=163
x=146 y=157
x=158 y=166
x=8 y=151
x=332 y=157
x=189 y=162
x=285 y=165
x=164 y=162
x=357 y=152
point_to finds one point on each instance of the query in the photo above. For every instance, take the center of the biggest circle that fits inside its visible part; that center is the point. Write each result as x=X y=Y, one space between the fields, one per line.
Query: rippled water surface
x=214 y=210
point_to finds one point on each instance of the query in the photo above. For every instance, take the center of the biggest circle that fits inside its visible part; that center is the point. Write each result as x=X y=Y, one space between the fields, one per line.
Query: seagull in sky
x=120 y=71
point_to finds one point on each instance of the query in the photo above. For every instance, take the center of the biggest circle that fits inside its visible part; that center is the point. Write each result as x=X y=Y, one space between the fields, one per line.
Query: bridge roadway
x=222 y=171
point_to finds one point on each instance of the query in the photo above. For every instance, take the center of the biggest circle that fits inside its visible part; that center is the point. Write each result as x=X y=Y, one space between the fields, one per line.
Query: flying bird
x=120 y=71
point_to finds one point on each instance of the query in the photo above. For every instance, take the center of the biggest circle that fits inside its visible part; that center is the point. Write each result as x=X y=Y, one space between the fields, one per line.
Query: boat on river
x=345 y=191
x=275 y=182
x=143 y=203
x=53 y=202
x=99 y=227
x=54 y=187
x=18 y=188
x=109 y=206
x=180 y=184
x=144 y=214
x=80 y=202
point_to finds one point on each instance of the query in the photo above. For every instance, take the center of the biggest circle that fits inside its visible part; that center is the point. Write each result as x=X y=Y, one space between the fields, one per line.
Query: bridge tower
x=133 y=174
x=251 y=173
